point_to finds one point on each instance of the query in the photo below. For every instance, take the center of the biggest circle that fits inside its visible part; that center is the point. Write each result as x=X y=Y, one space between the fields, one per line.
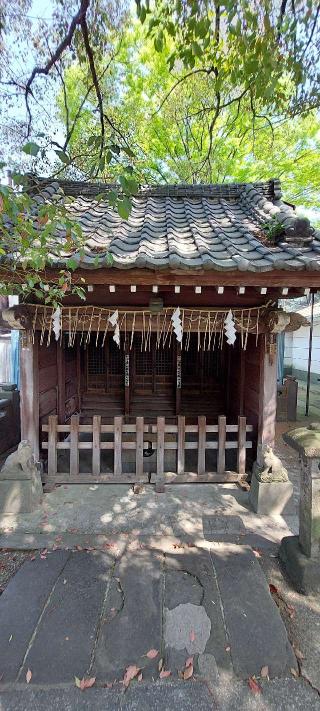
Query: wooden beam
x=204 y=277
x=178 y=378
x=29 y=394
x=61 y=376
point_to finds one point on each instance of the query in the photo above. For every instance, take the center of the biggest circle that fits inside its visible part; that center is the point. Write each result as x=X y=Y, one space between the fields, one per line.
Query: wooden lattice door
x=153 y=368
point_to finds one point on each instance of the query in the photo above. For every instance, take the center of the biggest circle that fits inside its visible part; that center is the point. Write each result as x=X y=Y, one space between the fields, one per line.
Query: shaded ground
x=185 y=573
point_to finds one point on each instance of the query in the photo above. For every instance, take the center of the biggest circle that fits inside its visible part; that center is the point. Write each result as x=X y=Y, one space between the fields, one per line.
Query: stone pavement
x=93 y=614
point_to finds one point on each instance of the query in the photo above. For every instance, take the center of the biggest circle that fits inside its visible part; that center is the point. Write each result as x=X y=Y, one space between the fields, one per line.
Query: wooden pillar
x=178 y=379
x=61 y=377
x=80 y=380
x=29 y=393
x=268 y=398
x=127 y=379
x=242 y=380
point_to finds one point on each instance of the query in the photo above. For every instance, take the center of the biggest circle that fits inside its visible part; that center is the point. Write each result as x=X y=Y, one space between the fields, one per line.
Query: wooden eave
x=274 y=278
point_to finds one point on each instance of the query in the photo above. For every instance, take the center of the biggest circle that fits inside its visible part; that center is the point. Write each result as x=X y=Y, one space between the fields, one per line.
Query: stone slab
x=65 y=637
x=21 y=605
x=190 y=580
x=218 y=526
x=304 y=572
x=277 y=695
x=271 y=498
x=257 y=635
x=161 y=696
x=132 y=622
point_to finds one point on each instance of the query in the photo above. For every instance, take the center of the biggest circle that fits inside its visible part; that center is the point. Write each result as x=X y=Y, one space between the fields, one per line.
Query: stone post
x=300 y=555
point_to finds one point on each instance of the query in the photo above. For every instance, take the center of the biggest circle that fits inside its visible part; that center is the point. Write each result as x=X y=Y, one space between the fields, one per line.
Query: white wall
x=297 y=349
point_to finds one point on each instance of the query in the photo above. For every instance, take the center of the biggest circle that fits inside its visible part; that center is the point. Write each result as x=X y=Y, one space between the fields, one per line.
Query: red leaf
x=87 y=683
x=152 y=654
x=189 y=661
x=28 y=676
x=192 y=636
x=164 y=674
x=187 y=674
x=273 y=589
x=254 y=686
x=130 y=674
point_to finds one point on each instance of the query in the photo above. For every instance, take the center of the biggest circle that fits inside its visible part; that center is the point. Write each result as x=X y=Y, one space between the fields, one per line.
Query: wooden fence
x=120 y=437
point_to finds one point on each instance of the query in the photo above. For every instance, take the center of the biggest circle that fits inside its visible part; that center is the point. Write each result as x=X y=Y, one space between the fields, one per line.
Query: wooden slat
x=101 y=479
x=117 y=467
x=202 y=435
x=160 y=445
x=221 y=464
x=74 y=445
x=52 y=445
x=192 y=477
x=242 y=446
x=139 y=445
x=96 y=451
x=181 y=444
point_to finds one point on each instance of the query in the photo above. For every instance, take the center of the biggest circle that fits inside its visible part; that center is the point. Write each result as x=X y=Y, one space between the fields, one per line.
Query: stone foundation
x=271 y=498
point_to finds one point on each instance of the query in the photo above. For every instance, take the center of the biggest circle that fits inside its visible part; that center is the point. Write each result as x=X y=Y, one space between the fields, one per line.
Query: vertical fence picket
x=74 y=445
x=96 y=450
x=181 y=444
x=52 y=445
x=242 y=429
x=139 y=445
x=117 y=467
x=221 y=464
x=202 y=438
x=160 y=454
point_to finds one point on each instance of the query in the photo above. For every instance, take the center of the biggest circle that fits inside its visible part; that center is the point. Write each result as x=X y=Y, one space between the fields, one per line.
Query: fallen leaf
x=192 y=636
x=227 y=649
x=298 y=653
x=273 y=589
x=28 y=676
x=256 y=552
x=77 y=682
x=87 y=683
x=187 y=674
x=10 y=638
x=254 y=686
x=131 y=672
x=152 y=654
x=189 y=661
x=264 y=672
x=160 y=665
x=164 y=674
x=140 y=677
x=294 y=672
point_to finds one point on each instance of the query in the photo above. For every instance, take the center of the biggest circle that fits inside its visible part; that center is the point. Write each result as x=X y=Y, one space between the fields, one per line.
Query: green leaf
x=196 y=49
x=31 y=149
x=72 y=264
x=128 y=151
x=124 y=208
x=63 y=157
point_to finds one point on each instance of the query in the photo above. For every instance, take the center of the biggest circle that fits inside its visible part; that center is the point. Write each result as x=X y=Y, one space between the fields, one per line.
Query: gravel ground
x=10 y=562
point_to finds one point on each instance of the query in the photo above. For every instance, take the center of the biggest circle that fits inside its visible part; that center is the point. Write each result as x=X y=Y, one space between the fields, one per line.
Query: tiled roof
x=214 y=227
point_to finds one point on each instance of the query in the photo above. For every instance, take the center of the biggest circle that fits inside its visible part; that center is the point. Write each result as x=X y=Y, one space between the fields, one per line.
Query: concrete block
x=20 y=496
x=271 y=498
x=304 y=572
